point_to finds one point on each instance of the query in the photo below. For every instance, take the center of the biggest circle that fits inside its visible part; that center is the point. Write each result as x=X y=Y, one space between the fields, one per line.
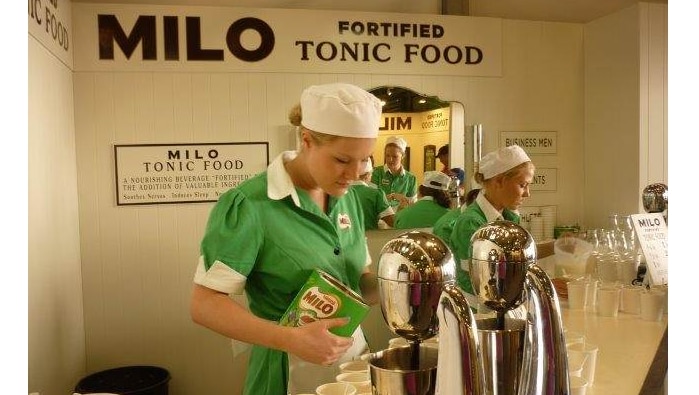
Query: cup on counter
x=652 y=305
x=587 y=352
x=608 y=300
x=664 y=289
x=356 y=365
x=631 y=299
x=577 y=294
x=336 y=388
x=573 y=337
x=576 y=362
x=591 y=302
x=578 y=385
x=360 y=380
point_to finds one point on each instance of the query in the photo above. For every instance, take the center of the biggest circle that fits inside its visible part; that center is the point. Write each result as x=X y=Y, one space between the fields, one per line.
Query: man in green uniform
x=267 y=235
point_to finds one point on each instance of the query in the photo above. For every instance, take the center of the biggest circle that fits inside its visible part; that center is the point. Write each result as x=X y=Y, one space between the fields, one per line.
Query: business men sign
x=113 y=37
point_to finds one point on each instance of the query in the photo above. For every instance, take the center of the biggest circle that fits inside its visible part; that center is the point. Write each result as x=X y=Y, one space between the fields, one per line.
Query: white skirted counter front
x=632 y=355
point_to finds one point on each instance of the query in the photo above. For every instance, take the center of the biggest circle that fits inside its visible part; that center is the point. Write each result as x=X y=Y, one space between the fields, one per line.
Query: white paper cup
x=588 y=351
x=360 y=380
x=354 y=366
x=336 y=389
x=608 y=300
x=631 y=299
x=652 y=305
x=577 y=294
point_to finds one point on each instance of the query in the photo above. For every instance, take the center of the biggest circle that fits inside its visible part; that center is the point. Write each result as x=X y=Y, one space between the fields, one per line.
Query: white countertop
x=627 y=345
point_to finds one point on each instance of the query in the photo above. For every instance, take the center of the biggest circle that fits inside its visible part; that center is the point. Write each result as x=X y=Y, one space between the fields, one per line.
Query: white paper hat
x=399 y=142
x=341 y=110
x=436 y=180
x=502 y=160
x=369 y=167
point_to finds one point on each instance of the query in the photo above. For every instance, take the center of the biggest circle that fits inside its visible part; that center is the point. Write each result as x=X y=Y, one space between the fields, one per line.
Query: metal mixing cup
x=502 y=354
x=392 y=372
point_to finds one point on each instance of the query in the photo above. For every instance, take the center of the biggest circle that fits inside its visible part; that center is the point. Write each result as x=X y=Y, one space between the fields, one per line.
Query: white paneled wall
x=138 y=262
x=625 y=110
x=56 y=340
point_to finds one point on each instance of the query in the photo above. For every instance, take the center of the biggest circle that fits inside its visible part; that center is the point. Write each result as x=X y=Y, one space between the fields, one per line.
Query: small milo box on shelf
x=323 y=296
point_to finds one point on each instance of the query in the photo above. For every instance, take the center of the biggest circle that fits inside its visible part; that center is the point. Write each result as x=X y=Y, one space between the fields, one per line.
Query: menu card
x=651 y=231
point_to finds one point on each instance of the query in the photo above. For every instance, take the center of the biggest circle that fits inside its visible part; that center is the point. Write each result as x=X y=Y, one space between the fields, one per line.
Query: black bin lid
x=127 y=380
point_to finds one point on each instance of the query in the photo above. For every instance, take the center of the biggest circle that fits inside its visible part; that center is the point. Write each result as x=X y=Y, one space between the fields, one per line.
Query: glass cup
x=652 y=305
x=588 y=351
x=577 y=294
x=631 y=299
x=608 y=300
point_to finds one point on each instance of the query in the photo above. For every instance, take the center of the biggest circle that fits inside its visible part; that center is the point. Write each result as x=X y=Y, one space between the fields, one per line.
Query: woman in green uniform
x=399 y=185
x=505 y=176
x=433 y=202
x=377 y=212
x=267 y=235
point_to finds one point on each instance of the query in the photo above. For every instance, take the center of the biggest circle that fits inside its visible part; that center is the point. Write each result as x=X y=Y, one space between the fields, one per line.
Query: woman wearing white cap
x=505 y=176
x=433 y=202
x=378 y=213
x=399 y=184
x=266 y=236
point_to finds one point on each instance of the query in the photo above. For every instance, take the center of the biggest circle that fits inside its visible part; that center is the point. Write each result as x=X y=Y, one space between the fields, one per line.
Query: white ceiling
x=580 y=11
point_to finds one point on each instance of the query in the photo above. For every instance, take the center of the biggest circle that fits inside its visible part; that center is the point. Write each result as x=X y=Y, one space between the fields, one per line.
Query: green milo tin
x=323 y=296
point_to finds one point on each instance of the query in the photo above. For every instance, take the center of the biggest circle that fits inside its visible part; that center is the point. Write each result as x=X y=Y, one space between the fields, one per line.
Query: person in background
x=377 y=212
x=433 y=202
x=445 y=224
x=505 y=175
x=266 y=236
x=399 y=185
x=454 y=173
x=471 y=196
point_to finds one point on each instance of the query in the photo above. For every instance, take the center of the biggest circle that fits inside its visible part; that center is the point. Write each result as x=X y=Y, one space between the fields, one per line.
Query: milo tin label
x=323 y=296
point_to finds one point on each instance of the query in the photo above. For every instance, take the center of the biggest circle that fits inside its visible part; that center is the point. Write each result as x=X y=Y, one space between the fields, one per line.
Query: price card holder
x=651 y=231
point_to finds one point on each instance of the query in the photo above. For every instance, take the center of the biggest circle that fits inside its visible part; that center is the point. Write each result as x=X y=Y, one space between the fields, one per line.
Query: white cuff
x=219 y=277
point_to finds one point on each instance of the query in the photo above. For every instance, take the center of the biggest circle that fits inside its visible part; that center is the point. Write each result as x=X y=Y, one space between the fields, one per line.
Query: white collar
x=402 y=170
x=491 y=214
x=279 y=184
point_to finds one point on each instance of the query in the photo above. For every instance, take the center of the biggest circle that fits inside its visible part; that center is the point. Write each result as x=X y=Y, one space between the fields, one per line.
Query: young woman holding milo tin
x=266 y=236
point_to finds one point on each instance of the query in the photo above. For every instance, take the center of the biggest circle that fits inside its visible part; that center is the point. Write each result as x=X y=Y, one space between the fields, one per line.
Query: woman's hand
x=314 y=342
x=403 y=201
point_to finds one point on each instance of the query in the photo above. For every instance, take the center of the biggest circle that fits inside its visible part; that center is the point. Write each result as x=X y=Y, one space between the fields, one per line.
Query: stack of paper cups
x=536 y=227
x=548 y=213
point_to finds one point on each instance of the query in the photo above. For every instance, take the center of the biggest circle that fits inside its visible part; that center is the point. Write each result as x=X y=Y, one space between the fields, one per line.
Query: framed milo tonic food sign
x=184 y=173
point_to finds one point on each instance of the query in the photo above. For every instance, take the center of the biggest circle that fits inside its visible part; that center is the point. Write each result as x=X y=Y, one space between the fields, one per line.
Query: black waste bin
x=127 y=380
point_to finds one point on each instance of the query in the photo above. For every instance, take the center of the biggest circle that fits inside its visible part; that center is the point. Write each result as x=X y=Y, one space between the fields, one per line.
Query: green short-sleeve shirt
x=404 y=183
x=422 y=214
x=445 y=224
x=266 y=237
x=374 y=204
x=465 y=226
